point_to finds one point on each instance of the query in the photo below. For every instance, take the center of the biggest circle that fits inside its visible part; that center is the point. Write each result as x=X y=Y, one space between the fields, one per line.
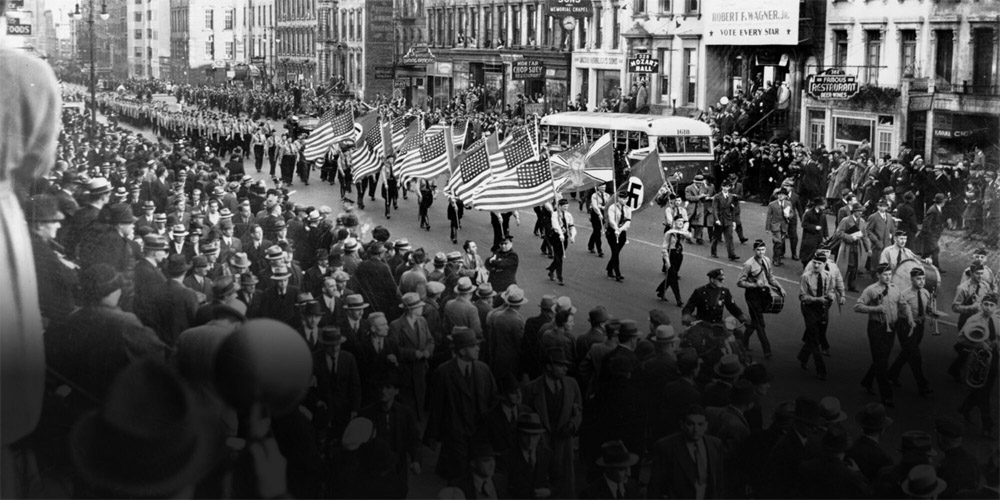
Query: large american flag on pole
x=459 y=131
x=397 y=132
x=434 y=157
x=513 y=153
x=528 y=185
x=332 y=128
x=368 y=155
x=474 y=169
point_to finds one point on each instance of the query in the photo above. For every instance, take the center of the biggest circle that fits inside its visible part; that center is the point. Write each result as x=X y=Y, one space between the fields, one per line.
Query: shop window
x=138 y=17
x=908 y=53
x=873 y=55
x=840 y=48
x=884 y=143
x=943 y=54
x=532 y=25
x=665 y=7
x=230 y=50
x=982 y=61
x=690 y=6
x=849 y=132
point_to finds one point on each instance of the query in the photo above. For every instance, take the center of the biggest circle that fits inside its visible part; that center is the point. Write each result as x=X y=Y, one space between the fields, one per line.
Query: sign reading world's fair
x=761 y=22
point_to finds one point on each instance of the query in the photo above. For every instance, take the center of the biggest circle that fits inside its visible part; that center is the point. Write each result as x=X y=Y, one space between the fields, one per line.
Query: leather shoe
x=619 y=278
x=734 y=257
x=550 y=276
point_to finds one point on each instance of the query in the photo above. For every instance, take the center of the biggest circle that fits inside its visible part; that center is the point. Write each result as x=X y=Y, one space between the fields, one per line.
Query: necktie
x=702 y=463
x=975 y=295
x=378 y=346
x=819 y=285
x=484 y=492
x=920 y=302
x=899 y=256
x=468 y=373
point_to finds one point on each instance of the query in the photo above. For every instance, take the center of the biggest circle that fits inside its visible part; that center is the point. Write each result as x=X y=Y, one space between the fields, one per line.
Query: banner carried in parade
x=473 y=170
x=459 y=131
x=369 y=153
x=528 y=185
x=518 y=147
x=332 y=128
x=434 y=157
x=584 y=166
x=762 y=22
x=642 y=185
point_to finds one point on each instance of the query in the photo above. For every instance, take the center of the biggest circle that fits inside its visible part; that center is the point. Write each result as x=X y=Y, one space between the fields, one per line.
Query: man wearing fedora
x=335 y=396
x=505 y=326
x=97 y=196
x=931 y=229
x=791 y=449
x=198 y=279
x=250 y=295
x=867 y=451
x=726 y=371
x=483 y=300
x=531 y=467
x=483 y=480
x=460 y=311
x=959 y=467
x=831 y=474
x=374 y=281
x=462 y=392
x=57 y=276
x=616 y=481
x=854 y=247
x=558 y=402
x=397 y=425
x=916 y=449
x=310 y=314
x=411 y=336
x=109 y=240
x=657 y=372
x=331 y=302
x=313 y=277
x=176 y=304
x=279 y=298
x=377 y=355
x=353 y=323
x=224 y=291
x=500 y=428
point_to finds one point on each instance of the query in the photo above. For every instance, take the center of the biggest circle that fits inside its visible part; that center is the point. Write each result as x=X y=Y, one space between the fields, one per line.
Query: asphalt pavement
x=588 y=286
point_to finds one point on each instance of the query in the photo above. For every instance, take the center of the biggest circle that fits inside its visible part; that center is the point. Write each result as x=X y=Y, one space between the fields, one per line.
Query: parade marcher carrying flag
x=332 y=128
x=584 y=166
x=473 y=170
x=434 y=157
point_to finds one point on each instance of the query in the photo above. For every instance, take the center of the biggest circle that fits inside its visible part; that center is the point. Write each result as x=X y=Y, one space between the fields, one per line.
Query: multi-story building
x=295 y=40
x=109 y=43
x=926 y=74
x=411 y=29
x=502 y=49
x=328 y=44
x=23 y=21
x=260 y=40
x=208 y=40
x=148 y=38
x=364 y=52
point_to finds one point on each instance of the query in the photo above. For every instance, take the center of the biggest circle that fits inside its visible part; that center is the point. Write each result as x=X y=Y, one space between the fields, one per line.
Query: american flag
x=528 y=185
x=367 y=157
x=474 y=170
x=434 y=157
x=512 y=154
x=414 y=138
x=332 y=128
x=397 y=131
x=459 y=131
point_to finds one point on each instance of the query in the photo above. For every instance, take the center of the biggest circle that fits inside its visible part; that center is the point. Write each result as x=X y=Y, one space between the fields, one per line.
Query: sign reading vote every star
x=761 y=22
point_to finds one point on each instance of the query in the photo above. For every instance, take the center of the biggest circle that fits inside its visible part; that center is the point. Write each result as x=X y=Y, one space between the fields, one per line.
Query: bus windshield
x=680 y=145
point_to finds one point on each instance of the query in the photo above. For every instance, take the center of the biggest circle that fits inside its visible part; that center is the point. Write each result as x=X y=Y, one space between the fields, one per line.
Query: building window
x=840 y=48
x=690 y=6
x=516 y=26
x=583 y=25
x=209 y=19
x=665 y=76
x=229 y=19
x=439 y=17
x=501 y=25
x=943 y=55
x=138 y=34
x=598 y=27
x=690 y=76
x=532 y=26
x=474 y=23
x=665 y=7
x=817 y=128
x=210 y=50
x=138 y=17
x=451 y=27
x=230 y=52
x=149 y=33
x=138 y=52
x=615 y=27
x=884 y=142
x=908 y=53
x=982 y=60
x=487 y=27
x=638 y=7
x=873 y=55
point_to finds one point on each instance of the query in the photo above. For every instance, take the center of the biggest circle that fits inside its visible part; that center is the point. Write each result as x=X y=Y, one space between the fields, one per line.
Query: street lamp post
x=93 y=77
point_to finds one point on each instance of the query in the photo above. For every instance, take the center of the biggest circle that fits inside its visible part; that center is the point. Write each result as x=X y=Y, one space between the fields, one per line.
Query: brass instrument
x=977 y=368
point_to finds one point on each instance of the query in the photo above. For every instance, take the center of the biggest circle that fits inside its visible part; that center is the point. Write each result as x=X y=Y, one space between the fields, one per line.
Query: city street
x=588 y=286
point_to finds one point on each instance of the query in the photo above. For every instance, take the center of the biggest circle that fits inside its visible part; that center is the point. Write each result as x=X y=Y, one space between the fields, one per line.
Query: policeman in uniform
x=707 y=302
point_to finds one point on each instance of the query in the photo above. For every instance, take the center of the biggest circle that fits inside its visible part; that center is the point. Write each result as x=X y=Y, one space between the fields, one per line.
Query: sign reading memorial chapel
x=571 y=8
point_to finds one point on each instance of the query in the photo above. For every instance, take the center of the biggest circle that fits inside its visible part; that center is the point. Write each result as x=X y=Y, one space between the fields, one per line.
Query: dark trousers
x=361 y=186
x=980 y=398
x=595 y=237
x=723 y=231
x=558 y=251
x=696 y=232
x=272 y=159
x=758 y=300
x=880 y=341
x=909 y=344
x=673 y=276
x=287 y=169
x=615 y=243
x=258 y=156
x=793 y=240
x=778 y=246
x=372 y=182
x=817 y=318
x=390 y=192
x=739 y=231
x=304 y=168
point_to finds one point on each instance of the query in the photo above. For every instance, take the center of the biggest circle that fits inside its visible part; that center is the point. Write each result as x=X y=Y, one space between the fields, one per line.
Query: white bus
x=684 y=144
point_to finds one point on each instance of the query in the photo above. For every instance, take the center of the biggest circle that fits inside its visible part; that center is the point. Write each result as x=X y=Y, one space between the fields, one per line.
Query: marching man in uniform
x=618 y=222
x=561 y=234
x=884 y=304
x=758 y=281
x=919 y=300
